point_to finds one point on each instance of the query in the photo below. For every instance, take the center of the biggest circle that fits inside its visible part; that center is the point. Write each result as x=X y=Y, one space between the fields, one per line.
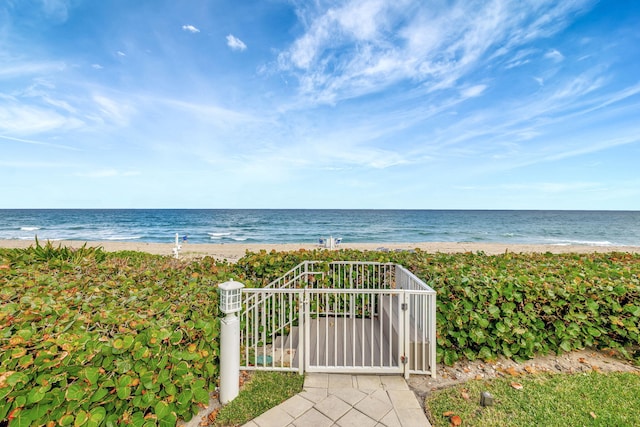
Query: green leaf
x=162 y=409
x=36 y=394
x=66 y=420
x=169 y=420
x=96 y=415
x=99 y=394
x=565 y=345
x=176 y=337
x=74 y=392
x=594 y=332
x=81 y=418
x=92 y=374
x=16 y=378
x=123 y=392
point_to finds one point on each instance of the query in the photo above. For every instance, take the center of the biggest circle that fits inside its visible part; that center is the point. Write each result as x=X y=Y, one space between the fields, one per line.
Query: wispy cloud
x=554 y=55
x=114 y=111
x=346 y=52
x=190 y=28
x=235 y=43
x=20 y=119
x=34 y=142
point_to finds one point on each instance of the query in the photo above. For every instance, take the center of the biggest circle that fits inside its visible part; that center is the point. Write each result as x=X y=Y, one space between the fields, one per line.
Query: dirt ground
x=568 y=363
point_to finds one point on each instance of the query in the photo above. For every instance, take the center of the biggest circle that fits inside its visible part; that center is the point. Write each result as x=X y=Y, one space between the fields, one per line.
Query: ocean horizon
x=549 y=227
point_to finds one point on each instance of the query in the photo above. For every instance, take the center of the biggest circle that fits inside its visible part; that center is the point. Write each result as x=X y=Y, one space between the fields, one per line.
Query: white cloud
x=114 y=111
x=97 y=66
x=235 y=43
x=22 y=119
x=121 y=53
x=364 y=47
x=554 y=55
x=34 y=142
x=190 y=28
x=473 y=91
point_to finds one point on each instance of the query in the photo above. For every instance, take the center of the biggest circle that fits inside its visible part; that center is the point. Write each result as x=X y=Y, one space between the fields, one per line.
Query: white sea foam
x=583 y=242
x=213 y=235
x=123 y=238
x=29 y=228
x=239 y=239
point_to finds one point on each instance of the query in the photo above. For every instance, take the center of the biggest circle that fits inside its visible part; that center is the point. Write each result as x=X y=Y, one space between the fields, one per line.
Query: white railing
x=340 y=317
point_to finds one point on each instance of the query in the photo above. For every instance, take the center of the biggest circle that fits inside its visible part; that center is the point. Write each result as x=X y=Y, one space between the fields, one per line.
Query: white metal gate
x=344 y=317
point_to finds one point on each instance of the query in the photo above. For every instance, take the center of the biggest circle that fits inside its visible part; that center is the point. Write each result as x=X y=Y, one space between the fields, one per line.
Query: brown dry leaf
x=593 y=415
x=465 y=394
x=512 y=371
x=5 y=267
x=466 y=370
x=596 y=369
x=517 y=386
x=448 y=414
x=530 y=369
x=4 y=376
x=582 y=360
x=478 y=377
x=213 y=415
x=456 y=421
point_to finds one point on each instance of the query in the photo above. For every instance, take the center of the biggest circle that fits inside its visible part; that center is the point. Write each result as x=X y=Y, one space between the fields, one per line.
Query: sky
x=403 y=104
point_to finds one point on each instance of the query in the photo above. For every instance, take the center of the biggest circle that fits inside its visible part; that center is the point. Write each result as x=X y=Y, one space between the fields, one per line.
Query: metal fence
x=340 y=317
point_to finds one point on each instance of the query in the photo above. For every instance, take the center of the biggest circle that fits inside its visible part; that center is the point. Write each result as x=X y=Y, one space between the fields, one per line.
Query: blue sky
x=320 y=104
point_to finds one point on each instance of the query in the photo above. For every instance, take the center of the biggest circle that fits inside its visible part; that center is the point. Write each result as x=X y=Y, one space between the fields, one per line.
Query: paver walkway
x=347 y=400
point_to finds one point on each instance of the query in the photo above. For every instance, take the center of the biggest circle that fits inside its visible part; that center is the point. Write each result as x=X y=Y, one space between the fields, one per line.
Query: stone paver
x=373 y=407
x=393 y=382
x=403 y=399
x=340 y=381
x=274 y=417
x=355 y=418
x=333 y=407
x=314 y=394
x=391 y=420
x=349 y=395
x=313 y=418
x=412 y=418
x=348 y=401
x=296 y=406
x=316 y=380
x=368 y=382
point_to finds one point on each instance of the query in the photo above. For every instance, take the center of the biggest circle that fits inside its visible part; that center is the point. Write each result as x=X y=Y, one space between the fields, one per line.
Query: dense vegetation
x=90 y=338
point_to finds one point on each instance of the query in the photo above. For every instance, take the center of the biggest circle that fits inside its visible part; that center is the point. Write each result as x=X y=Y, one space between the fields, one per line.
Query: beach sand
x=234 y=251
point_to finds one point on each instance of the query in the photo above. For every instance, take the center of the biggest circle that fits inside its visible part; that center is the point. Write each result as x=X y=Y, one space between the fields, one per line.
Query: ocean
x=594 y=228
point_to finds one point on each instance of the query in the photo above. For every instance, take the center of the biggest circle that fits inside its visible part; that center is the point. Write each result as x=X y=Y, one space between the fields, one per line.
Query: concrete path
x=347 y=400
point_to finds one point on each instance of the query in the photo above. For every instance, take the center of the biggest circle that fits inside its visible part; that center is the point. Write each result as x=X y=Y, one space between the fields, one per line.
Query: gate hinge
x=404 y=306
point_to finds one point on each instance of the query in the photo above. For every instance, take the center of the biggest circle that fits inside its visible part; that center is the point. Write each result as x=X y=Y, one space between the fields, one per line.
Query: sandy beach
x=234 y=251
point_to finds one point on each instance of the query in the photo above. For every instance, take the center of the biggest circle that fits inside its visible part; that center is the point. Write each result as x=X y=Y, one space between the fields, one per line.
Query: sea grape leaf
x=74 y=392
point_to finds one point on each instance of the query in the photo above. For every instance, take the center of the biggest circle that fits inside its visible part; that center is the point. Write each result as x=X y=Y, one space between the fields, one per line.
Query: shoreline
x=234 y=251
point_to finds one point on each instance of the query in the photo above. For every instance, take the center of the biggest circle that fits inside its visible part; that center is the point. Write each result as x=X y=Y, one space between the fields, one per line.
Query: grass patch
x=592 y=399
x=264 y=391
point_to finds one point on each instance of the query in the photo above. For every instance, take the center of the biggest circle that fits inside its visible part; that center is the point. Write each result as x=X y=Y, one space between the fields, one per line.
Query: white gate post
x=230 y=304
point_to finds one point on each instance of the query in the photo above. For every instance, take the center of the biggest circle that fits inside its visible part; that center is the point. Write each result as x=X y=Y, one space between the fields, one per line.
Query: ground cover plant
x=90 y=339
x=589 y=399
x=94 y=338
x=512 y=305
